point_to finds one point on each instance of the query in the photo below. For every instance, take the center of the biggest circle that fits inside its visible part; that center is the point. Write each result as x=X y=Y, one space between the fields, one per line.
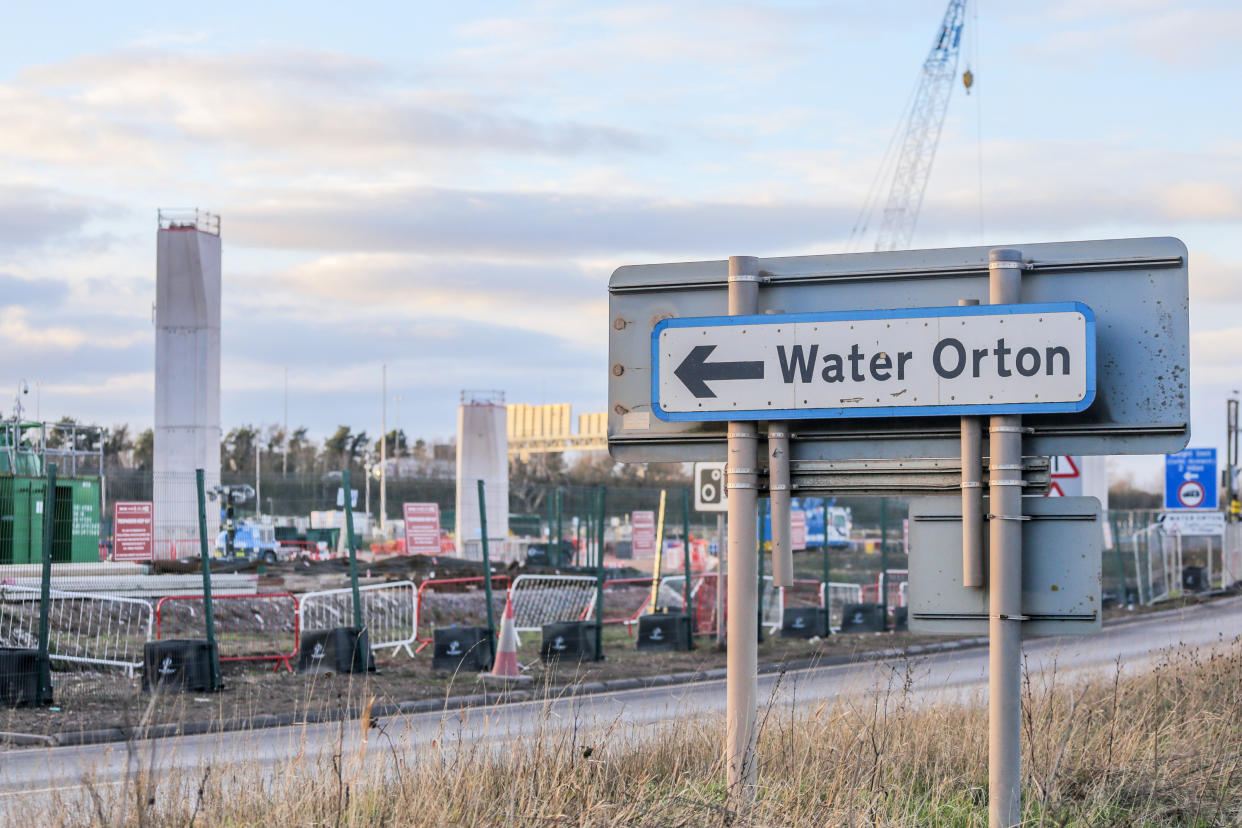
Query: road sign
x=422 y=528
x=1194 y=524
x=353 y=497
x=644 y=534
x=1066 y=476
x=1137 y=289
x=133 y=531
x=1190 y=479
x=709 y=488
x=1060 y=584
x=984 y=359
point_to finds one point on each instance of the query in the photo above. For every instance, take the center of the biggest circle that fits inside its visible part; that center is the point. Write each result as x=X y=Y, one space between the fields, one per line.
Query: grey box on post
x=1063 y=539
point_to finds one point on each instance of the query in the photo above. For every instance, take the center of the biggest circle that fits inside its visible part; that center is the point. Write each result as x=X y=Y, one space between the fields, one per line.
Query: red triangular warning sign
x=1055 y=490
x=1064 y=466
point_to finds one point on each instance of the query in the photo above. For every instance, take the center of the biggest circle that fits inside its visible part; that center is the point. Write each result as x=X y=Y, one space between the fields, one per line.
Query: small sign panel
x=643 y=538
x=1190 y=479
x=422 y=528
x=353 y=497
x=1061 y=590
x=1012 y=359
x=1194 y=524
x=709 y=488
x=133 y=531
x=797 y=530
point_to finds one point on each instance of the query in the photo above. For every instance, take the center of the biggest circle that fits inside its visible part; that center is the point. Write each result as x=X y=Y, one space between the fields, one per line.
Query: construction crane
x=919 y=133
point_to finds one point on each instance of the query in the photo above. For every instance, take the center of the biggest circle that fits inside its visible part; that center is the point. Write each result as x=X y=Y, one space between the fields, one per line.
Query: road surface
x=32 y=774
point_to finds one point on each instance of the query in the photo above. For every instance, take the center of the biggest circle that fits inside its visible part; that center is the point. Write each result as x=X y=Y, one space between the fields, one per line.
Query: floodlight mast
x=922 y=133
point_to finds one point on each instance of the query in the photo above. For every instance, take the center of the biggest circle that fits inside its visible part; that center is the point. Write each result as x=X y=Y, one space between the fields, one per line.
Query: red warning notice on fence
x=643 y=538
x=133 y=531
x=797 y=530
x=422 y=528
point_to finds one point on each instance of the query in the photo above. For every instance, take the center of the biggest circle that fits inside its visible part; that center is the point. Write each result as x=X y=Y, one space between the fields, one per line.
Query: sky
x=445 y=188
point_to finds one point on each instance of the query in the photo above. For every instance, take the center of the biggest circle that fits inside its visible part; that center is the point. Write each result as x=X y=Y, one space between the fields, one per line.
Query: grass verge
x=1160 y=748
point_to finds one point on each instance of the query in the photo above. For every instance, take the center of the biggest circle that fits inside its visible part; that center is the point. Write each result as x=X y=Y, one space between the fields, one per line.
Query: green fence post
x=487 y=573
x=883 y=581
x=44 y=693
x=599 y=579
x=209 y=618
x=764 y=531
x=353 y=553
x=688 y=607
x=555 y=557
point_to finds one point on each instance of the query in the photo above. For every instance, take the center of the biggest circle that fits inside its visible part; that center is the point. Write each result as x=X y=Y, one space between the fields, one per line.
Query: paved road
x=34 y=773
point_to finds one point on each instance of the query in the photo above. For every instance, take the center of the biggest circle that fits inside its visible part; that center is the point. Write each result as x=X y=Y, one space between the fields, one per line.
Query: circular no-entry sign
x=1191 y=494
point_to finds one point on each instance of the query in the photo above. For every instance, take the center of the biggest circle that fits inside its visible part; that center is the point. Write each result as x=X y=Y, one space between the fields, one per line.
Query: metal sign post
x=742 y=491
x=1005 y=581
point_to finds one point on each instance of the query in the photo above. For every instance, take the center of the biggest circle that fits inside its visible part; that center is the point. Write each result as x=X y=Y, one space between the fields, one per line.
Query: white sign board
x=709 y=488
x=1194 y=524
x=1015 y=359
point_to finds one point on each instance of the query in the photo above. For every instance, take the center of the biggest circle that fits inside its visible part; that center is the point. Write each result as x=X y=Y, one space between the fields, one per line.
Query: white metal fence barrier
x=836 y=597
x=390 y=612
x=84 y=628
x=542 y=599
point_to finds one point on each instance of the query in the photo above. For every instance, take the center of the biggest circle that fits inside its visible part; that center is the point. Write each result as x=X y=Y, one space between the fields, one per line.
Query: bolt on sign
x=422 y=528
x=133 y=531
x=995 y=359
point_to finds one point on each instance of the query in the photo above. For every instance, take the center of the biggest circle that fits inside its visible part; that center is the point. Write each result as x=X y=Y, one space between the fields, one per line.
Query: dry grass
x=1161 y=748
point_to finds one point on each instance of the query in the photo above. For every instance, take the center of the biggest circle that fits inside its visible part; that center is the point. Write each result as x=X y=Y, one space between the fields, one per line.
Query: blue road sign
x=1190 y=479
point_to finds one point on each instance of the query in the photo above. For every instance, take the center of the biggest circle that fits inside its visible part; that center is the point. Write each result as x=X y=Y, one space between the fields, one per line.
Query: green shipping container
x=75 y=525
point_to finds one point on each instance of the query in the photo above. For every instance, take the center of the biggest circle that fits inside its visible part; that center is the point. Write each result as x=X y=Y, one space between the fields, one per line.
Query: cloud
x=525 y=224
x=137 y=105
x=30 y=217
x=18 y=292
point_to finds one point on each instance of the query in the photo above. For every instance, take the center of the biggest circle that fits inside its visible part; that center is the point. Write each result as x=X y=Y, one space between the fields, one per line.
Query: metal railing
x=446 y=602
x=103 y=630
x=259 y=627
x=543 y=599
x=390 y=612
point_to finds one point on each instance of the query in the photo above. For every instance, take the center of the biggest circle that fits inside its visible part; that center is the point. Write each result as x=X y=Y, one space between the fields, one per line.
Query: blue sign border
x=878 y=411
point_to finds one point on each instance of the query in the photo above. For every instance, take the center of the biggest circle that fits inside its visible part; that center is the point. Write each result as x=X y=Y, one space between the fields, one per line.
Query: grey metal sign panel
x=1062 y=549
x=1137 y=289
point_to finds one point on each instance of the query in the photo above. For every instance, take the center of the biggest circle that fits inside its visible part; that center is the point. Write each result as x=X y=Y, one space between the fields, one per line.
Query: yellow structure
x=546 y=429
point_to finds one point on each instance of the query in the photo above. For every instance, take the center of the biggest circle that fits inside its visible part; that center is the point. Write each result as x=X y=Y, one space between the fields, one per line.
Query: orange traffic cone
x=505 y=664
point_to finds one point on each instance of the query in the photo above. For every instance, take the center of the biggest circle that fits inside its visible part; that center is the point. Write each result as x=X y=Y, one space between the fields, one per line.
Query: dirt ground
x=87 y=701
x=92 y=700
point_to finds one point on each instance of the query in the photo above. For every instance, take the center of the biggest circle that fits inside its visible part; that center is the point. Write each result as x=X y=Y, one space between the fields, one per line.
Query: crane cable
x=974 y=61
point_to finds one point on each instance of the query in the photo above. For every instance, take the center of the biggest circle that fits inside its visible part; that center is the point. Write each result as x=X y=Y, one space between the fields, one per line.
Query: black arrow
x=694 y=371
